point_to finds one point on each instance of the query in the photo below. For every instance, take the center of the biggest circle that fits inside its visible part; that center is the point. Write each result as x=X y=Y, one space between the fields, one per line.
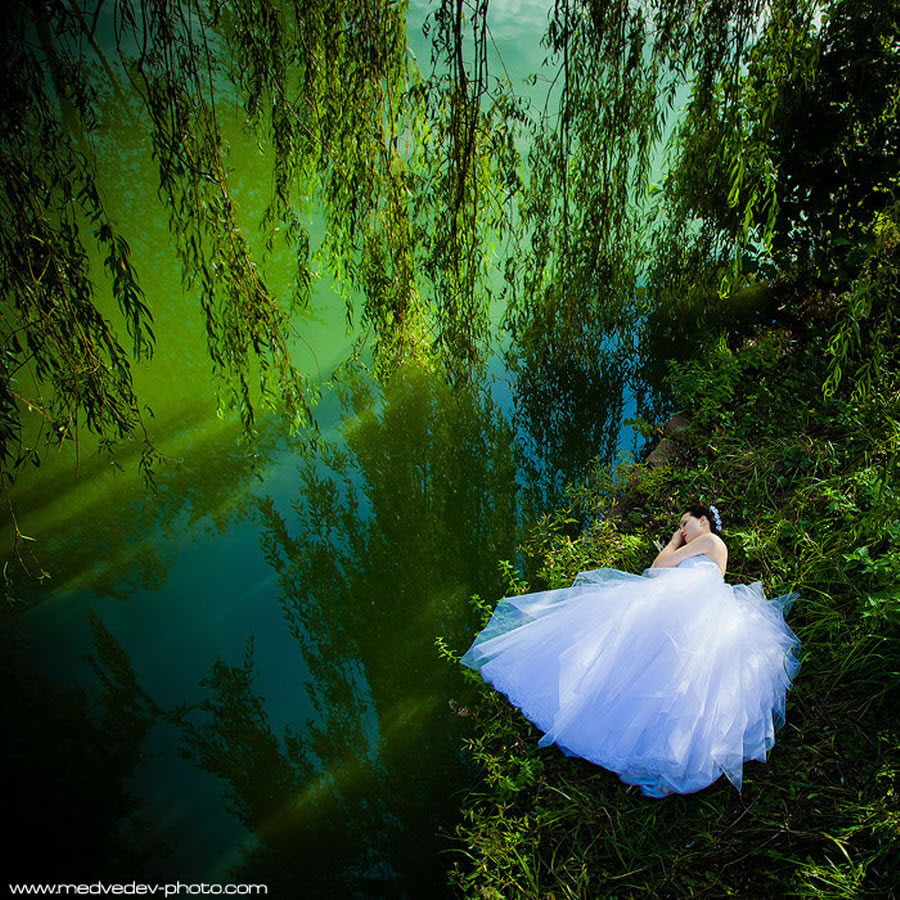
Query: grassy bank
x=809 y=490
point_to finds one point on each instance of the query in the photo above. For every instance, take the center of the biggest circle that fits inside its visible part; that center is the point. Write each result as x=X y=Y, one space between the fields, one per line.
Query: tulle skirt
x=669 y=681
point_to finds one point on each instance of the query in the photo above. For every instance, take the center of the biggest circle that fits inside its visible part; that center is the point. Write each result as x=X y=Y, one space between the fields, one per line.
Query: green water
x=293 y=619
x=236 y=677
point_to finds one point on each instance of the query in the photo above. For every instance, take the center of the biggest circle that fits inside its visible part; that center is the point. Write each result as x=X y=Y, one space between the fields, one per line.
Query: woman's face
x=692 y=527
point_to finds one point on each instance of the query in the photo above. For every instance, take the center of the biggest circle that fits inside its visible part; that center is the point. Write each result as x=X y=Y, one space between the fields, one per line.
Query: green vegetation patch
x=809 y=492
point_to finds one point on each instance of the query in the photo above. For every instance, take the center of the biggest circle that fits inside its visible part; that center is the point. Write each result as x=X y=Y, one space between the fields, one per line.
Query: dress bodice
x=701 y=559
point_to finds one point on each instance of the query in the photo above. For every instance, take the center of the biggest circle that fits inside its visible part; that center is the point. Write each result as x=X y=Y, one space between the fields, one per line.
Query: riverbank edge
x=805 y=486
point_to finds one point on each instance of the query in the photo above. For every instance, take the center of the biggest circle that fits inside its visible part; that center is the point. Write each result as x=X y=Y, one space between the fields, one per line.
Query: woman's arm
x=676 y=551
x=665 y=555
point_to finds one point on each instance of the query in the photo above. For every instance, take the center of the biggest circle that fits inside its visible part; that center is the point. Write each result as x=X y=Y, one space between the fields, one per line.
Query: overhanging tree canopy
x=416 y=175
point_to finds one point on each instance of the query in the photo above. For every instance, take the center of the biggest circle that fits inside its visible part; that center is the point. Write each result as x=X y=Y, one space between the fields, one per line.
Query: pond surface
x=235 y=678
x=263 y=644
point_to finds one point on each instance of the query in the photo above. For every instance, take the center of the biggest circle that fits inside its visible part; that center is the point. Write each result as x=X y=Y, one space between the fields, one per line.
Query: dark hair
x=700 y=509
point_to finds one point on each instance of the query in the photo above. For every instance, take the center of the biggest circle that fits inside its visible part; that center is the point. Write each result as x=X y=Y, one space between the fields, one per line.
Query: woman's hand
x=677 y=539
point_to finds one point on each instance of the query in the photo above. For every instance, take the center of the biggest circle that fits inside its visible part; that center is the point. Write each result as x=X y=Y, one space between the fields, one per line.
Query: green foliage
x=707 y=384
x=416 y=177
x=784 y=171
x=406 y=171
x=591 y=227
x=53 y=334
x=807 y=488
x=409 y=173
x=833 y=138
x=463 y=181
x=865 y=337
x=580 y=535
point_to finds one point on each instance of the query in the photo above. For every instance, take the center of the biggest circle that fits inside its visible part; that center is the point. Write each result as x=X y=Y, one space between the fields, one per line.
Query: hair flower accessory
x=717 y=517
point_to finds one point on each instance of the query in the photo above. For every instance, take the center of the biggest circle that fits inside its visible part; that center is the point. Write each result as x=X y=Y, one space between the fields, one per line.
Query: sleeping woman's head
x=699 y=519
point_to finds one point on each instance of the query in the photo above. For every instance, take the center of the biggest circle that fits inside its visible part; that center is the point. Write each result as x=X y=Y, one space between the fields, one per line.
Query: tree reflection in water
x=391 y=532
x=570 y=399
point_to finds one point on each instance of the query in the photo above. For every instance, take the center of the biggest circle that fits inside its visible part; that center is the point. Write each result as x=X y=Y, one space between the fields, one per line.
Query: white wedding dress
x=669 y=679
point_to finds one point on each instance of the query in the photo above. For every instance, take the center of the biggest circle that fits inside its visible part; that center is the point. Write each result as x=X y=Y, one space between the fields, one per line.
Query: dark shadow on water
x=69 y=758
